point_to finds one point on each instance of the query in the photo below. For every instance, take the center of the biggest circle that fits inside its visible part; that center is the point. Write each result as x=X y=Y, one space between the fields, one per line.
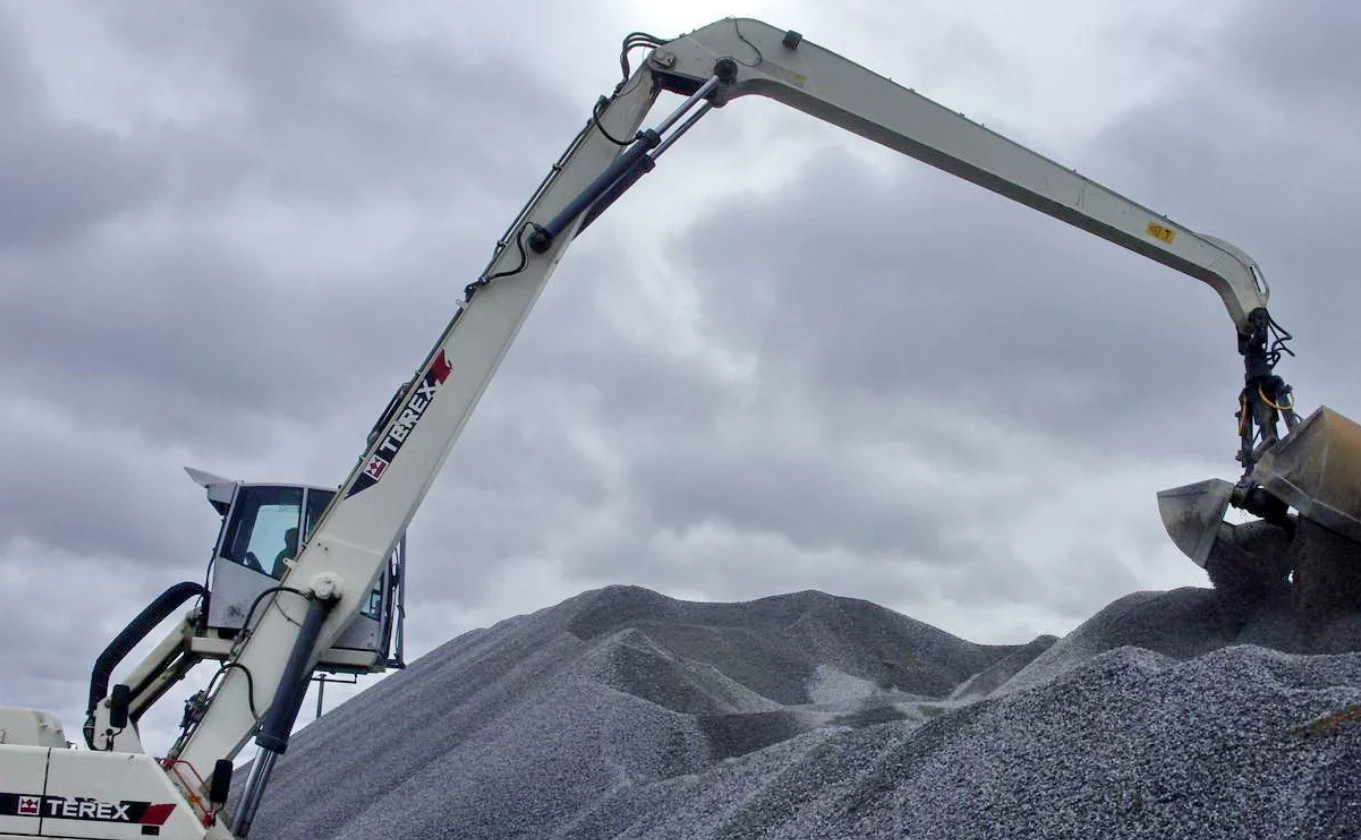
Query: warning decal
x=1157 y=231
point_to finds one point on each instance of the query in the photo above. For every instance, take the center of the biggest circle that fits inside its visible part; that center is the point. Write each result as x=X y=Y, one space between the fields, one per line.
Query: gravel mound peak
x=622 y=713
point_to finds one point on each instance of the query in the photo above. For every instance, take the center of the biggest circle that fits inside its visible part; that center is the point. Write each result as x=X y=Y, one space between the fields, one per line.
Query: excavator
x=271 y=620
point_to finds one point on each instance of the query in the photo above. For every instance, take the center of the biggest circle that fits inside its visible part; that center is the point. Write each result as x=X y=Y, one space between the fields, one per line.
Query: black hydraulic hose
x=130 y=636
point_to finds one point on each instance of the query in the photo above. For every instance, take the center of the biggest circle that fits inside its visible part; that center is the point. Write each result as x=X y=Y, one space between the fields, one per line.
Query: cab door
x=258 y=538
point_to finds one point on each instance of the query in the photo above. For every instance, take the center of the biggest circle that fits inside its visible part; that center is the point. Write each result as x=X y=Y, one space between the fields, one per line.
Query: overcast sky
x=788 y=360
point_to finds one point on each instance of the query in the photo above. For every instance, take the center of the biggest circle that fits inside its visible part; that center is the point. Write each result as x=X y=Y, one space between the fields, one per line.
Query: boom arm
x=785 y=68
x=712 y=66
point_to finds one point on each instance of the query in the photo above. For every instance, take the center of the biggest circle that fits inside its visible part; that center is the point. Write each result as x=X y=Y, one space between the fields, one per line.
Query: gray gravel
x=624 y=714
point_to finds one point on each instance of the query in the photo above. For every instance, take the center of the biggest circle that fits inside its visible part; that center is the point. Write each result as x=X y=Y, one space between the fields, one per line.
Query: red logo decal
x=375 y=468
x=30 y=806
x=440 y=368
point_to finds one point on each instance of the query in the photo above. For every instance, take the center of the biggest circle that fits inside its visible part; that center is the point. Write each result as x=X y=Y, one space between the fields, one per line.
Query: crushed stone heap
x=622 y=713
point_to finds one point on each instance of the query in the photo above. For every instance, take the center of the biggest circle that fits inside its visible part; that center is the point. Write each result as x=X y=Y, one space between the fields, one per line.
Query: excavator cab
x=264 y=527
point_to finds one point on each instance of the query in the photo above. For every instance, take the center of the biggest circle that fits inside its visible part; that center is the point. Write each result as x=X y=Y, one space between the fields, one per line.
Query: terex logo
x=403 y=423
x=84 y=808
x=88 y=809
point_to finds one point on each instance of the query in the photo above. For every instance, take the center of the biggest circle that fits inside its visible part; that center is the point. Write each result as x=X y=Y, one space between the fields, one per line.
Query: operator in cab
x=290 y=550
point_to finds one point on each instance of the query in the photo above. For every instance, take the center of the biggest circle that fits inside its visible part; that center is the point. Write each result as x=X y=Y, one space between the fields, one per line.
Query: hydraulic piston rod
x=625 y=171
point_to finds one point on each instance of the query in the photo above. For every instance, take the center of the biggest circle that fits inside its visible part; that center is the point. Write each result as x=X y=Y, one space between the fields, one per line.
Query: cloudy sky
x=788 y=360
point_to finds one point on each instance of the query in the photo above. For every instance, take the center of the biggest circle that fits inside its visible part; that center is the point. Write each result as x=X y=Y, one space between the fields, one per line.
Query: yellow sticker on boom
x=1157 y=231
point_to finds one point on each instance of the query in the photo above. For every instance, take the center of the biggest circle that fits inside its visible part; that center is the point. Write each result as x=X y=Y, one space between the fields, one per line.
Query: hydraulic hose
x=153 y=614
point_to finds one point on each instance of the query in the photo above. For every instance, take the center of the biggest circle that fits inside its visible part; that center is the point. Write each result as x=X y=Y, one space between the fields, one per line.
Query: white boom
x=711 y=66
x=825 y=85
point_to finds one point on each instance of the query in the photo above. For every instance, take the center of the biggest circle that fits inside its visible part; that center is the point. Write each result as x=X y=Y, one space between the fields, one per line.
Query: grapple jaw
x=1316 y=469
x=1193 y=514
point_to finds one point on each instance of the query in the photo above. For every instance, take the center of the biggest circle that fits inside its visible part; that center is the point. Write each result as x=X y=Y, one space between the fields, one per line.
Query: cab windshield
x=264 y=530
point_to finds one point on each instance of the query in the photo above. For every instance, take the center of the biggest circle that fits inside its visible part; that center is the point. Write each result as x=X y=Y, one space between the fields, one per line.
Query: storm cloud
x=786 y=360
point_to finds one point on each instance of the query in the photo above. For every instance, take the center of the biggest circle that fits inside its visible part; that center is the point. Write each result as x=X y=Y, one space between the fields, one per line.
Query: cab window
x=373 y=607
x=317 y=500
x=264 y=528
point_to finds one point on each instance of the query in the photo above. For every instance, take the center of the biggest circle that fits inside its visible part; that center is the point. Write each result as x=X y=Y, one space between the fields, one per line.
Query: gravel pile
x=624 y=714
x=1183 y=624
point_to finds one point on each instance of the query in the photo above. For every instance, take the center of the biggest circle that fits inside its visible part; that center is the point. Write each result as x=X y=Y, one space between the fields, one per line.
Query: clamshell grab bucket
x=1315 y=469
